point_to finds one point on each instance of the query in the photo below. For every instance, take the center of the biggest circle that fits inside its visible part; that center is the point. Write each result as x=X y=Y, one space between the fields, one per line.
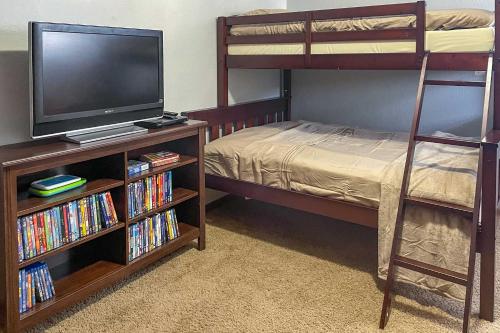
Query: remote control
x=170 y=114
x=162 y=122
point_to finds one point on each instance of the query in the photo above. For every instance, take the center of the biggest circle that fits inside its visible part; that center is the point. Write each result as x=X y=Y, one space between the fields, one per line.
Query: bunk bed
x=305 y=45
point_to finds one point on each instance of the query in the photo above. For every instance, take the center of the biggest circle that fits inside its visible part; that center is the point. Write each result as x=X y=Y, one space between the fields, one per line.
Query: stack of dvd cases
x=149 y=193
x=49 y=229
x=35 y=286
x=152 y=232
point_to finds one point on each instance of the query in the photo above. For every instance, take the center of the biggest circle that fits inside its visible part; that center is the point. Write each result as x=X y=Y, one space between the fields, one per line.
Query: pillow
x=459 y=19
x=263 y=11
x=447 y=19
x=266 y=29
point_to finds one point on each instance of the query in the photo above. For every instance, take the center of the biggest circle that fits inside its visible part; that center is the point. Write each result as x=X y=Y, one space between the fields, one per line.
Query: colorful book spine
x=149 y=193
x=152 y=232
x=35 y=286
x=49 y=229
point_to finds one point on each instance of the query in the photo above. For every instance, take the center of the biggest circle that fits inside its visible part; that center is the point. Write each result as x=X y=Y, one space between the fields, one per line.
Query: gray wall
x=190 y=50
x=385 y=100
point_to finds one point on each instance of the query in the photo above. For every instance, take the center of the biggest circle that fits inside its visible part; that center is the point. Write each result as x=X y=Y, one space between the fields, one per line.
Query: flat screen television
x=89 y=78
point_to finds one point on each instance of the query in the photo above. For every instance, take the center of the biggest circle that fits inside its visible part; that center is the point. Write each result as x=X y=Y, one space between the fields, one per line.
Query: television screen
x=99 y=76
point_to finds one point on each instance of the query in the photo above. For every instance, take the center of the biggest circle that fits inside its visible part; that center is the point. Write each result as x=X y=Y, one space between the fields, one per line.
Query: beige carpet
x=265 y=270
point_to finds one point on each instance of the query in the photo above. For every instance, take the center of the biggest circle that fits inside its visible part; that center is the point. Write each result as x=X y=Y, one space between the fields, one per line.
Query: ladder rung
x=458 y=209
x=446 y=141
x=431 y=270
x=455 y=83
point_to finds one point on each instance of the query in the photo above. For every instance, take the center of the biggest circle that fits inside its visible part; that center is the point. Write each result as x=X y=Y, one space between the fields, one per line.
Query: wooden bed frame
x=226 y=119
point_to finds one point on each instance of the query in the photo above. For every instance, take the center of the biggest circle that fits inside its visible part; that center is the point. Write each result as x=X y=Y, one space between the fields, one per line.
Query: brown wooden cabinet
x=89 y=264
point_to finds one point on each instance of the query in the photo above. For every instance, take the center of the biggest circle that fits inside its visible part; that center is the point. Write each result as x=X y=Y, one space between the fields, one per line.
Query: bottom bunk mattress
x=365 y=167
x=333 y=161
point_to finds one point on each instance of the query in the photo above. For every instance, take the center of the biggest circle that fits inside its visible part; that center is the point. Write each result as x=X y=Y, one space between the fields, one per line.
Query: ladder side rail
x=404 y=188
x=477 y=199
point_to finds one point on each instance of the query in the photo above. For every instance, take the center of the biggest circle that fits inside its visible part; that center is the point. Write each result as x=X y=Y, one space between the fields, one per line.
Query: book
x=49 y=229
x=135 y=167
x=152 y=232
x=160 y=158
x=20 y=250
x=35 y=286
x=149 y=193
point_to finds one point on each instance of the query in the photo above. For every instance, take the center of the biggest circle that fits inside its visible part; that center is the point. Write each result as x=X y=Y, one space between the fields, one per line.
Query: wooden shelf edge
x=34 y=204
x=65 y=247
x=184 y=160
x=180 y=195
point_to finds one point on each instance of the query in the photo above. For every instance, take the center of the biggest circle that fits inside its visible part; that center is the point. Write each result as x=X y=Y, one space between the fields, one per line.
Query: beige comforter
x=435 y=20
x=441 y=173
x=332 y=161
x=364 y=167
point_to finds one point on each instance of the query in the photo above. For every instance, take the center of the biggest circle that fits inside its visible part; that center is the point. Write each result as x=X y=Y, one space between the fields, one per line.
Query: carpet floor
x=266 y=270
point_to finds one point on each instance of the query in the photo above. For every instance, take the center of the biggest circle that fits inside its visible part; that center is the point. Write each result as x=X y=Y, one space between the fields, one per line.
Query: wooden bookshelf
x=85 y=266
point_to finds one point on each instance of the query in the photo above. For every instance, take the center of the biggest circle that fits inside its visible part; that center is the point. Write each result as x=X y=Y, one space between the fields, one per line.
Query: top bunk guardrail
x=464 y=61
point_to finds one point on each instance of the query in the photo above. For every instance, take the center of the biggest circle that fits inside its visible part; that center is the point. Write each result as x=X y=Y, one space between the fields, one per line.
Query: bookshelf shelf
x=184 y=160
x=82 y=281
x=70 y=245
x=187 y=234
x=180 y=195
x=87 y=265
x=27 y=204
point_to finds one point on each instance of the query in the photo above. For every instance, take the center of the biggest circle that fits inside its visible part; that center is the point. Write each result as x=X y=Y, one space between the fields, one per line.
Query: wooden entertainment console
x=85 y=266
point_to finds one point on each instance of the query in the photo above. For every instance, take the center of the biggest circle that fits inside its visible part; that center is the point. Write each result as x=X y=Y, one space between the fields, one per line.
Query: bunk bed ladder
x=472 y=214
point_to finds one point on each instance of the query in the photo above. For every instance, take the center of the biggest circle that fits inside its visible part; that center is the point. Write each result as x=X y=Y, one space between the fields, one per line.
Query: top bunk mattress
x=333 y=161
x=440 y=41
x=461 y=30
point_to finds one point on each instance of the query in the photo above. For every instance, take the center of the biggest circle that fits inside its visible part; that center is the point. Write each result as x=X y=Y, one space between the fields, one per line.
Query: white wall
x=189 y=39
x=384 y=100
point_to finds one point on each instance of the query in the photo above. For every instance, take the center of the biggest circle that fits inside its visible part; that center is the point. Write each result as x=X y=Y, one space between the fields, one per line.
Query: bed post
x=222 y=73
x=421 y=28
x=286 y=92
x=488 y=228
x=496 y=65
x=490 y=174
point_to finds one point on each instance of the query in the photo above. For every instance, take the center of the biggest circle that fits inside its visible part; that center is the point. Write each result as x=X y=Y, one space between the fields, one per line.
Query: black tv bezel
x=45 y=126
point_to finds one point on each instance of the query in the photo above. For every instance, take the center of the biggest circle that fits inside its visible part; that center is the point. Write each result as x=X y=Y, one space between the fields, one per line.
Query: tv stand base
x=104 y=135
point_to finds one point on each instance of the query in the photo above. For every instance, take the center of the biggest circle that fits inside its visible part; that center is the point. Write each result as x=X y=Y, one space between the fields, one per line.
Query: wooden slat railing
x=308 y=36
x=233 y=118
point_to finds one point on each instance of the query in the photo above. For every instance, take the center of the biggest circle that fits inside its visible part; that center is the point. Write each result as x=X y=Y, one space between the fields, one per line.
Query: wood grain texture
x=387 y=61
